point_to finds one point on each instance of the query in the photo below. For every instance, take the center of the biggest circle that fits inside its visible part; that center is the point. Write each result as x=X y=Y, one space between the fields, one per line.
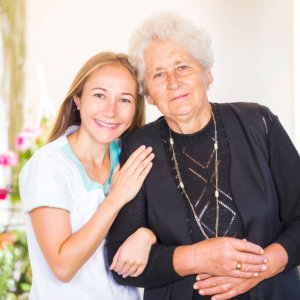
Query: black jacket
x=253 y=190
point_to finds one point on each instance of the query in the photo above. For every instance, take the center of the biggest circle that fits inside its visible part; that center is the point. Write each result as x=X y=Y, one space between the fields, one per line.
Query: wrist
x=277 y=260
x=150 y=235
x=184 y=260
x=113 y=201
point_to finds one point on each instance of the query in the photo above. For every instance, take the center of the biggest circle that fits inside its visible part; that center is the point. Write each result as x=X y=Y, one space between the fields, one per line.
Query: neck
x=191 y=124
x=87 y=150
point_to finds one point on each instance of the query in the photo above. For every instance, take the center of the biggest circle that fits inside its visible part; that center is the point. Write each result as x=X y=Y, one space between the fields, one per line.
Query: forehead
x=164 y=52
x=111 y=76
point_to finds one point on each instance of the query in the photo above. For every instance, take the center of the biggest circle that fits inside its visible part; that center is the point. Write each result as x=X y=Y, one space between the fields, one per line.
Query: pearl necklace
x=216 y=178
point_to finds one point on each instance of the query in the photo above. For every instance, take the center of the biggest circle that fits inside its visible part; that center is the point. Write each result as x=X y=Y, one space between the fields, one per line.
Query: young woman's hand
x=127 y=181
x=132 y=257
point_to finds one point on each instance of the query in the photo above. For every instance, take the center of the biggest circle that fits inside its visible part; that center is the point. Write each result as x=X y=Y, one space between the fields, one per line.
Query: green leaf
x=25 y=287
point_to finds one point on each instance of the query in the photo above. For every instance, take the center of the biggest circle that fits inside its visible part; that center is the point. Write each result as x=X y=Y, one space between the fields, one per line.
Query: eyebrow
x=105 y=90
x=176 y=62
x=99 y=88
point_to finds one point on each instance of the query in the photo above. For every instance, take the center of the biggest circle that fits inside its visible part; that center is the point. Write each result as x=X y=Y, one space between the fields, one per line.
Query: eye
x=158 y=75
x=99 y=95
x=125 y=100
x=183 y=68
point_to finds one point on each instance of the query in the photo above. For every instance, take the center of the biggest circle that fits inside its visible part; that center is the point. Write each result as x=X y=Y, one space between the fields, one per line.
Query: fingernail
x=198 y=277
x=261 y=251
x=264 y=268
x=201 y=292
x=255 y=274
x=265 y=260
x=195 y=286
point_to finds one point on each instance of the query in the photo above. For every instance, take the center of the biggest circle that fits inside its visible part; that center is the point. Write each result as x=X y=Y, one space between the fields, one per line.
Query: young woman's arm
x=66 y=252
x=132 y=256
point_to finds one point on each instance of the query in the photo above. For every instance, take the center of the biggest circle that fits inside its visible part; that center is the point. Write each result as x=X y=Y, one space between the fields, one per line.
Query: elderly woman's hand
x=224 y=287
x=221 y=257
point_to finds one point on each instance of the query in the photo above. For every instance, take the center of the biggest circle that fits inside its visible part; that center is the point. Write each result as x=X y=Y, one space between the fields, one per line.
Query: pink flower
x=25 y=138
x=3 y=193
x=9 y=159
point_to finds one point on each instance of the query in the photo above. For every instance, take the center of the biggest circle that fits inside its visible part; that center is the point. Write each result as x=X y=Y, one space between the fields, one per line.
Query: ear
x=77 y=102
x=149 y=99
x=210 y=78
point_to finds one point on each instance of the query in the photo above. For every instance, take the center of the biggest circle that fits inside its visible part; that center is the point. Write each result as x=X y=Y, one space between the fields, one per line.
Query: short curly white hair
x=168 y=25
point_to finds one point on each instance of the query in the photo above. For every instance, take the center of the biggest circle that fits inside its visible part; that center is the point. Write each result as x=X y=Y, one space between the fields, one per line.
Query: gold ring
x=238 y=265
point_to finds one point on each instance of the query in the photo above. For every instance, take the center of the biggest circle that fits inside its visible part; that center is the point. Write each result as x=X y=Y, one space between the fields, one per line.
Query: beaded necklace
x=216 y=179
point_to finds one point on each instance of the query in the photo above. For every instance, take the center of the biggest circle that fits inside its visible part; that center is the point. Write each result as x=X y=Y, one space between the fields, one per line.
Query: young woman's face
x=107 y=104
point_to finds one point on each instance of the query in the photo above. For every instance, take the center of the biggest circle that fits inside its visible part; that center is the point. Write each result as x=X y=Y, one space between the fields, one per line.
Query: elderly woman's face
x=175 y=81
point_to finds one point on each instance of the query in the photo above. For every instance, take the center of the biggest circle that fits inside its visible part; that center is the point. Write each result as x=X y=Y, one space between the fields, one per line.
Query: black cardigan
x=255 y=196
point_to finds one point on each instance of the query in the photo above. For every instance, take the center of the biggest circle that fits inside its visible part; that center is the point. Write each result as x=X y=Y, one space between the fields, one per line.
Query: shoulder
x=251 y=113
x=241 y=107
x=48 y=159
x=147 y=134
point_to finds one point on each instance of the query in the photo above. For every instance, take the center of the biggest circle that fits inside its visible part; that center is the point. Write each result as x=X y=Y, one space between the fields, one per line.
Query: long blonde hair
x=69 y=115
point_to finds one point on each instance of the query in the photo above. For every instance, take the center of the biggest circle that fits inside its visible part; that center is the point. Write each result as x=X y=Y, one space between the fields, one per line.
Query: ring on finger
x=238 y=265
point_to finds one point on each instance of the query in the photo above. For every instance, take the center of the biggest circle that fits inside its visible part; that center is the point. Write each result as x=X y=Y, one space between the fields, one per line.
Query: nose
x=173 y=81
x=109 y=109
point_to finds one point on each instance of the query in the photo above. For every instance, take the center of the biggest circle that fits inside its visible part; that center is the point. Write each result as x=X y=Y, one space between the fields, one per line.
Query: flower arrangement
x=26 y=143
x=15 y=271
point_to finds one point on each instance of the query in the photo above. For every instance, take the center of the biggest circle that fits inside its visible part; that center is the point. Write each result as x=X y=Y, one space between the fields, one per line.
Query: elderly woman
x=223 y=194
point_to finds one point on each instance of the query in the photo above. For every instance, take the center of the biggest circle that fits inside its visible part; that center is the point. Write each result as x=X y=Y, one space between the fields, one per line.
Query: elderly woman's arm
x=162 y=263
x=284 y=253
x=285 y=167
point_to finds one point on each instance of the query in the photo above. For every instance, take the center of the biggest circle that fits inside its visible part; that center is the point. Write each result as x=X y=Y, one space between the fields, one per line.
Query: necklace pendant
x=181 y=184
x=216 y=146
x=217 y=194
x=171 y=141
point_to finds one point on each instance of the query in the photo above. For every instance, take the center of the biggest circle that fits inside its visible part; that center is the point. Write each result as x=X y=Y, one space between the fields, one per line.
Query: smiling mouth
x=106 y=125
x=179 y=97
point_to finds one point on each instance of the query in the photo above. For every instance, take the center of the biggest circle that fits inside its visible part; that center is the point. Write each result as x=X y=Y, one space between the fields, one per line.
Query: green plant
x=15 y=271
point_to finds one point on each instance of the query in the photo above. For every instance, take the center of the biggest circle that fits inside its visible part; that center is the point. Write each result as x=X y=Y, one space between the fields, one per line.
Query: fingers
x=240 y=274
x=132 y=269
x=227 y=295
x=203 y=276
x=253 y=268
x=115 y=260
x=139 y=162
x=220 y=289
x=245 y=246
x=116 y=168
x=137 y=157
x=135 y=271
x=138 y=272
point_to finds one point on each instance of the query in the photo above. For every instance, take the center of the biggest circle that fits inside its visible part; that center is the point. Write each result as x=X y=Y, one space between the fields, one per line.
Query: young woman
x=73 y=188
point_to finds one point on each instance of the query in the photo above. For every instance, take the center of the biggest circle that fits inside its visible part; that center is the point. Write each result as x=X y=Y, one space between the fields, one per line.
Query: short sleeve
x=45 y=181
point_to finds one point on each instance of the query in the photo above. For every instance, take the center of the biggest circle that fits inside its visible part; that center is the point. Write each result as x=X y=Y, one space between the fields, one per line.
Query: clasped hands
x=232 y=267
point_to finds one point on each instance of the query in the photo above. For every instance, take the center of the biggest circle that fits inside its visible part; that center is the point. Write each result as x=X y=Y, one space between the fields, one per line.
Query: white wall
x=252 y=41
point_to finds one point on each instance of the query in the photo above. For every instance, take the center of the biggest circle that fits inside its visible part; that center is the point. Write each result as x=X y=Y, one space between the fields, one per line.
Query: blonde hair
x=69 y=115
x=168 y=25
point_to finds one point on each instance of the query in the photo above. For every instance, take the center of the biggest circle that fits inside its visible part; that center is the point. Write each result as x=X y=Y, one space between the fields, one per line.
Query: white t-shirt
x=54 y=177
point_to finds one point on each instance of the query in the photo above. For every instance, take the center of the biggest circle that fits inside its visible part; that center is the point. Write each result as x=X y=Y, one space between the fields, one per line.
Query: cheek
x=128 y=114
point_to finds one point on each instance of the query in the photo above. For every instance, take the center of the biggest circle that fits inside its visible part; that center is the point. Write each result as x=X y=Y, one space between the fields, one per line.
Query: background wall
x=252 y=41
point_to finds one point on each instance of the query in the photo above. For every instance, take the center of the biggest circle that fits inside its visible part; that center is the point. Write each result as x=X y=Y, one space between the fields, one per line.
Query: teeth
x=105 y=124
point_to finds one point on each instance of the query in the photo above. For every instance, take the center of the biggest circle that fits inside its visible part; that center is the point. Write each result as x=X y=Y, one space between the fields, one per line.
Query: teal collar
x=89 y=184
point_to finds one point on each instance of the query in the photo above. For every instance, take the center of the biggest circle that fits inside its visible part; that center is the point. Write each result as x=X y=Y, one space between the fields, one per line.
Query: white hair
x=168 y=25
